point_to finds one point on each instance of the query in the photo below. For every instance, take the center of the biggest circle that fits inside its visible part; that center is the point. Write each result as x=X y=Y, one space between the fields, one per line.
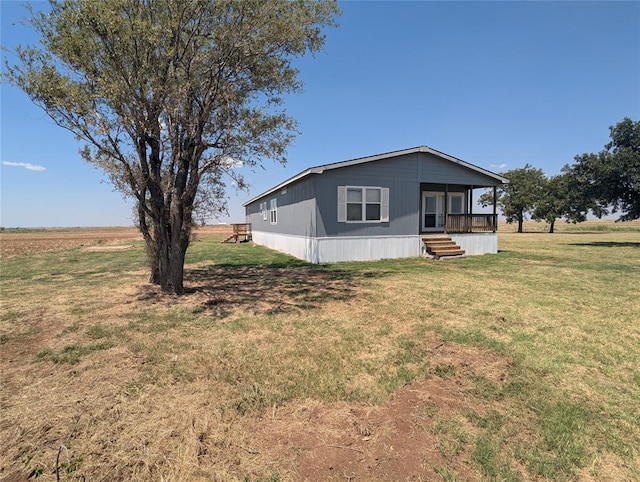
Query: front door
x=432 y=211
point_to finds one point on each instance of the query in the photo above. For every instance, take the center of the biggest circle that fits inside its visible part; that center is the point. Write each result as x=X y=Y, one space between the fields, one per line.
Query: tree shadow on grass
x=220 y=289
x=608 y=244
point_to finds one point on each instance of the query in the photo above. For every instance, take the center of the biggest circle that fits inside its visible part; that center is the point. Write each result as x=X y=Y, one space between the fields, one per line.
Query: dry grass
x=516 y=366
x=591 y=226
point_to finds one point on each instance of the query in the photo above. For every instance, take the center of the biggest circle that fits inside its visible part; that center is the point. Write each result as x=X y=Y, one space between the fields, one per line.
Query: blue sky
x=498 y=84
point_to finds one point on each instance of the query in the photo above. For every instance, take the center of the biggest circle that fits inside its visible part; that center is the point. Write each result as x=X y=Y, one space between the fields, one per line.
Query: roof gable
x=378 y=157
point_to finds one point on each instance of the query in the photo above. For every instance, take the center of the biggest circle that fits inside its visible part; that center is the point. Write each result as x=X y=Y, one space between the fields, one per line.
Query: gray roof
x=378 y=157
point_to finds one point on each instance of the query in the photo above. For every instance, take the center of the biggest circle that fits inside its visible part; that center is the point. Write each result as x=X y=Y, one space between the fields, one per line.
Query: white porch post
x=495 y=208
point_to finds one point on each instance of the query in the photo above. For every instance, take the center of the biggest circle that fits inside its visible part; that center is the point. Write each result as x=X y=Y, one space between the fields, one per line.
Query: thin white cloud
x=26 y=165
x=501 y=166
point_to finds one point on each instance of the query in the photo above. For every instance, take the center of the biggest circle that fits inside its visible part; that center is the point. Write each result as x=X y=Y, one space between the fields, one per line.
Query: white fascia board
x=280 y=186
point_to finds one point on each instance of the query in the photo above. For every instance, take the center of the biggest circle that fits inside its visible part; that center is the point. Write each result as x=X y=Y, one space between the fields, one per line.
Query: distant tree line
x=599 y=183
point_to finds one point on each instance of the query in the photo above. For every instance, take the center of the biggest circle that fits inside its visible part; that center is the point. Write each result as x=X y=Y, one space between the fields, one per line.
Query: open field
x=523 y=365
x=592 y=226
x=17 y=242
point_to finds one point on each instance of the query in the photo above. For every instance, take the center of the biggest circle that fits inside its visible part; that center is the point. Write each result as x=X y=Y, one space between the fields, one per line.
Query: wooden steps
x=239 y=230
x=235 y=237
x=442 y=246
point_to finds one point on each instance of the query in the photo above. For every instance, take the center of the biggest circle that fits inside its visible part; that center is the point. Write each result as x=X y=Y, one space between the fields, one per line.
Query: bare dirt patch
x=26 y=242
x=401 y=440
x=19 y=242
x=352 y=441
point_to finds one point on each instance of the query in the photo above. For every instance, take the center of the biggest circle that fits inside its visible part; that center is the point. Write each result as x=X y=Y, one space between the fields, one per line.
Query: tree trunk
x=166 y=256
x=167 y=244
x=551 y=225
x=159 y=254
x=180 y=233
x=520 y=222
x=175 y=280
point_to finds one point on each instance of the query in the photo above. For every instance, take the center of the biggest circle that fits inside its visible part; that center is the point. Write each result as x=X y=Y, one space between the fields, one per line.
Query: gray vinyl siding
x=417 y=167
x=309 y=207
x=404 y=176
x=432 y=169
x=296 y=210
x=253 y=215
x=398 y=175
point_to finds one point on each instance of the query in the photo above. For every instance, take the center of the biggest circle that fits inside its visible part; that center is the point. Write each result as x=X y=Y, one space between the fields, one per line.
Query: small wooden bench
x=240 y=230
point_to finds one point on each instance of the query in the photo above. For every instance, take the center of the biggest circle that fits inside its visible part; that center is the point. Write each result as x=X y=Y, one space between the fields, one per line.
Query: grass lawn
x=523 y=365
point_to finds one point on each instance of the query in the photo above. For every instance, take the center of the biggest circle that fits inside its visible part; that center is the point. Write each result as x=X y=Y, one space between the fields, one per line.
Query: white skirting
x=360 y=248
x=476 y=243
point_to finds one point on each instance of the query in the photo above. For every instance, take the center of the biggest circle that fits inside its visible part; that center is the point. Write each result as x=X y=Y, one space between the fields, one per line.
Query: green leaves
x=185 y=73
x=611 y=177
x=163 y=93
x=596 y=183
x=519 y=197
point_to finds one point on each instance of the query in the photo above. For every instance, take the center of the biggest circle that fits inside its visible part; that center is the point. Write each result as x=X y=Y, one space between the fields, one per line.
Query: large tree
x=168 y=95
x=611 y=177
x=558 y=200
x=553 y=201
x=519 y=197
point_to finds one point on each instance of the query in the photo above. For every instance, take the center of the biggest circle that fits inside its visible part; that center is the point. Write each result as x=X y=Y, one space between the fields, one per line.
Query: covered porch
x=448 y=208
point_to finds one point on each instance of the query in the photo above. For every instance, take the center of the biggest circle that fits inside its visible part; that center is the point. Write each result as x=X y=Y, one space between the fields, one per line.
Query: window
x=273 y=211
x=354 y=204
x=263 y=210
x=363 y=204
x=456 y=204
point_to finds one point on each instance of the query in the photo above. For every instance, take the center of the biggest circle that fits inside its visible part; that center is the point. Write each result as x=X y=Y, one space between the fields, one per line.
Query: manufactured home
x=394 y=205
